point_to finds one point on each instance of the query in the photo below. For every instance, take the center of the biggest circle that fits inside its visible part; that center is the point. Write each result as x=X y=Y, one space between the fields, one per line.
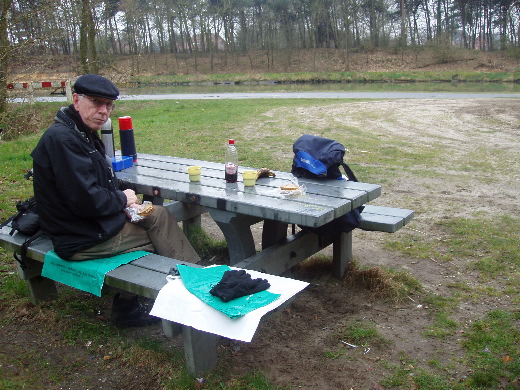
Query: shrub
x=19 y=120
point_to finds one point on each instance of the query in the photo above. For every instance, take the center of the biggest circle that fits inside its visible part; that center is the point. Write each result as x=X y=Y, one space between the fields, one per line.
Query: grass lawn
x=483 y=245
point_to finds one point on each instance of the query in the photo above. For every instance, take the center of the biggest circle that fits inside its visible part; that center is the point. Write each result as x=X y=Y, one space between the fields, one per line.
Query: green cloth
x=87 y=275
x=199 y=281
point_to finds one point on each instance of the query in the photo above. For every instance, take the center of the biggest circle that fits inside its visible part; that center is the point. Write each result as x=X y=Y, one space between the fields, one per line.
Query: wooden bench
x=385 y=219
x=146 y=276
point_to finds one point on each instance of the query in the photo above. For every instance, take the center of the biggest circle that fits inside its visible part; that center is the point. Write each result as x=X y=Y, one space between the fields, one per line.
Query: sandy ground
x=293 y=346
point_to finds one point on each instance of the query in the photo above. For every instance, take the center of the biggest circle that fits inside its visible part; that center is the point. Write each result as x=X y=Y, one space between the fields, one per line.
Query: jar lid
x=125 y=123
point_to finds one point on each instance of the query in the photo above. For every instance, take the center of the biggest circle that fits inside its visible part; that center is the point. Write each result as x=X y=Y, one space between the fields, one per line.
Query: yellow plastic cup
x=194 y=172
x=249 y=178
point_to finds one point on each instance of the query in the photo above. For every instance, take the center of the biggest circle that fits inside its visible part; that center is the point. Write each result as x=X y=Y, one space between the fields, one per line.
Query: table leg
x=237 y=231
x=341 y=253
x=187 y=213
x=273 y=232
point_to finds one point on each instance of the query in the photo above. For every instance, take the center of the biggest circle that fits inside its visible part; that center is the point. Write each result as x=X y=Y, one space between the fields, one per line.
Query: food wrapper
x=138 y=212
x=299 y=190
x=292 y=188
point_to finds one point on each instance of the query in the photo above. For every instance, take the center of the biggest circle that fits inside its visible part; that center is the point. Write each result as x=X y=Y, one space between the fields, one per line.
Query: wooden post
x=68 y=91
x=30 y=90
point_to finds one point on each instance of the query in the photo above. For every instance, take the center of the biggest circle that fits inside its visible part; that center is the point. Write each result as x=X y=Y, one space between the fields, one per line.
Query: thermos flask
x=126 y=134
x=107 y=136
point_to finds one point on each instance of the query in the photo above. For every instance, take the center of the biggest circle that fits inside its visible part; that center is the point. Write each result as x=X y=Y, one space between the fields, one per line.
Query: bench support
x=200 y=351
x=171 y=329
x=286 y=252
x=40 y=289
x=273 y=232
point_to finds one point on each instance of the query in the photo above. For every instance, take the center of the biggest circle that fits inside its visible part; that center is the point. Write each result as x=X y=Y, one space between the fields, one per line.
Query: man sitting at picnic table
x=80 y=205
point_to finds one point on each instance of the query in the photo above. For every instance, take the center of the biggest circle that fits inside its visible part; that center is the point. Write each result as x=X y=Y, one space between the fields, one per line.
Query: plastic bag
x=137 y=212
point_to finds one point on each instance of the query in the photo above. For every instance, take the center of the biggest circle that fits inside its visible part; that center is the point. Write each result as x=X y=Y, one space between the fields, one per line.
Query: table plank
x=232 y=198
x=324 y=199
x=215 y=170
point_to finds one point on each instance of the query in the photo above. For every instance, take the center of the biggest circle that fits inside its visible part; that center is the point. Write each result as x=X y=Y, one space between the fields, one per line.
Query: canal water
x=251 y=87
x=268 y=89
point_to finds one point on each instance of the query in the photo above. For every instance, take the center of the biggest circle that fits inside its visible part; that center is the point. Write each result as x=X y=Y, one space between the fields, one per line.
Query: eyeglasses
x=98 y=103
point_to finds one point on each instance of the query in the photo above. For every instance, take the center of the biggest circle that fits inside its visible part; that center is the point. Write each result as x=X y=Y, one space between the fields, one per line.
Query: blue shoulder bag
x=320 y=158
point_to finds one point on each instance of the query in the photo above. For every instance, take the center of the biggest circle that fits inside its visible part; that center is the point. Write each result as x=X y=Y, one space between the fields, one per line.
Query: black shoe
x=130 y=312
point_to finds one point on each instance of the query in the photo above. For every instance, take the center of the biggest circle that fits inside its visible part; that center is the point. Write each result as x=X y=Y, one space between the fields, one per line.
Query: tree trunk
x=94 y=65
x=4 y=53
x=87 y=43
x=403 y=38
x=439 y=20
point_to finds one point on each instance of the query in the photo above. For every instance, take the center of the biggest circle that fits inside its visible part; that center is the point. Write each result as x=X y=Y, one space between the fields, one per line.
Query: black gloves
x=236 y=284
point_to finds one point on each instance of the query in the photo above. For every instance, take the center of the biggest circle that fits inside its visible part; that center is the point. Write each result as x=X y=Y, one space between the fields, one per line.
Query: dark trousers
x=158 y=232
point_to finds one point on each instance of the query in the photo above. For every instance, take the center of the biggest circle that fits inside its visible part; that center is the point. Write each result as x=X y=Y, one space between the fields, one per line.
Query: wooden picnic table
x=235 y=208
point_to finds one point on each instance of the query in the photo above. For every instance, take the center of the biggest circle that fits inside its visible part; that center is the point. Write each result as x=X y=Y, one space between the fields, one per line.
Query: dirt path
x=301 y=346
x=293 y=345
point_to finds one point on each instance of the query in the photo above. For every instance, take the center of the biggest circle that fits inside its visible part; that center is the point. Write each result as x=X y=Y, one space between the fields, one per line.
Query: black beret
x=95 y=85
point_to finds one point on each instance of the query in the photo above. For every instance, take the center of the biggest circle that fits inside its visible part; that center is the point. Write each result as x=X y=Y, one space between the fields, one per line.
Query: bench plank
x=137 y=280
x=385 y=219
x=144 y=276
x=159 y=263
x=383 y=223
x=406 y=214
x=36 y=251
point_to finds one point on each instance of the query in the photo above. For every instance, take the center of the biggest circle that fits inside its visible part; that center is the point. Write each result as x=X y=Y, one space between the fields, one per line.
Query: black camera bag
x=27 y=222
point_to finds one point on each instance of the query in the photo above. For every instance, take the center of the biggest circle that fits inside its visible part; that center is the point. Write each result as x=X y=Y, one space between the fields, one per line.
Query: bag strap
x=349 y=172
x=8 y=221
x=22 y=258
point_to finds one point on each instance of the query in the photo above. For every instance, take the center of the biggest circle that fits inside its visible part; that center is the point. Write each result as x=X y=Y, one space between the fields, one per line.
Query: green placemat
x=199 y=281
x=87 y=275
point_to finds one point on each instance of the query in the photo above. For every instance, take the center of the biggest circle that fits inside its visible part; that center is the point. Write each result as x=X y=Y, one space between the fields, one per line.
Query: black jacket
x=78 y=199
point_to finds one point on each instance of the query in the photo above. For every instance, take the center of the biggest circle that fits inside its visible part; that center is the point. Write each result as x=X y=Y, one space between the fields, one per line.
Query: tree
x=91 y=28
x=402 y=38
x=503 y=8
x=4 y=52
x=88 y=53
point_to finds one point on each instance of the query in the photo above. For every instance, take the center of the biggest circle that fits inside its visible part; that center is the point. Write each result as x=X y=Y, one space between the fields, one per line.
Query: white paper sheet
x=175 y=303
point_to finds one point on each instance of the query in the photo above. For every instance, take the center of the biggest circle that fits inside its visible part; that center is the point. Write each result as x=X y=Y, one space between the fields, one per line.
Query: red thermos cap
x=125 y=123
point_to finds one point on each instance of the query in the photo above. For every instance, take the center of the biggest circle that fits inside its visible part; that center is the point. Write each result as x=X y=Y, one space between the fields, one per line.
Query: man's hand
x=131 y=197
